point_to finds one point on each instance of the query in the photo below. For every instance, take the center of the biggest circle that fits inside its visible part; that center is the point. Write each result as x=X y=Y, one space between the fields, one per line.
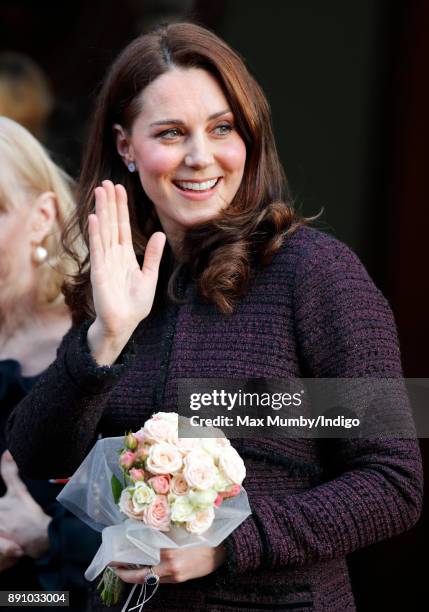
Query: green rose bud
x=131 y=441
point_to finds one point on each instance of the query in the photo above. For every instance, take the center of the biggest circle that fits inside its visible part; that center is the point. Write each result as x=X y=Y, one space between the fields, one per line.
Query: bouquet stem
x=110 y=587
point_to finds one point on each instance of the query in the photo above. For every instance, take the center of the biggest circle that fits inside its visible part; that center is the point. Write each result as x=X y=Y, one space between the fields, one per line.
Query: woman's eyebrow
x=180 y=122
x=219 y=114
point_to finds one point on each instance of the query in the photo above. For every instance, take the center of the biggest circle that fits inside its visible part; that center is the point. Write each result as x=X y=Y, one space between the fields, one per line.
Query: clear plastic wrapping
x=88 y=495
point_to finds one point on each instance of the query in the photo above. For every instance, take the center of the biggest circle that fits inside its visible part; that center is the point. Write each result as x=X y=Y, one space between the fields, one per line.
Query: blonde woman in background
x=37 y=537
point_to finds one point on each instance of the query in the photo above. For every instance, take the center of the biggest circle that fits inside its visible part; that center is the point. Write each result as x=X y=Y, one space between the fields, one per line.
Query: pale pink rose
x=160 y=484
x=201 y=522
x=137 y=474
x=235 y=490
x=141 y=438
x=126 y=506
x=185 y=445
x=164 y=458
x=158 y=429
x=199 y=472
x=127 y=459
x=232 y=465
x=157 y=514
x=178 y=485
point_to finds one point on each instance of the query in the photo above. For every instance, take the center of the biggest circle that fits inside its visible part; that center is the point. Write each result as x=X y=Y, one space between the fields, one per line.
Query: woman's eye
x=223 y=129
x=171 y=133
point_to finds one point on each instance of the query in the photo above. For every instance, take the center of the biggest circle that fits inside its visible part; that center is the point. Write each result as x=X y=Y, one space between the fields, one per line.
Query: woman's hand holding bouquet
x=182 y=497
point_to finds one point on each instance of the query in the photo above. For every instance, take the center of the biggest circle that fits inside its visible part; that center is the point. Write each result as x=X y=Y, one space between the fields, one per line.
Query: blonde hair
x=27 y=171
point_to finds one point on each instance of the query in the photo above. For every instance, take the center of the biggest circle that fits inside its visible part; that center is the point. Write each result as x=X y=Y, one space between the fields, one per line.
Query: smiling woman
x=181 y=142
x=178 y=110
x=186 y=149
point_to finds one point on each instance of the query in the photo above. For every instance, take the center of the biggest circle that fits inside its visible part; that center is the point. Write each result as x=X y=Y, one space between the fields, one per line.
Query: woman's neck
x=31 y=334
x=15 y=312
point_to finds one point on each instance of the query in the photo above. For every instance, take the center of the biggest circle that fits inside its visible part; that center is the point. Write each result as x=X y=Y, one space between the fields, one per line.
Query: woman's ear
x=43 y=216
x=123 y=145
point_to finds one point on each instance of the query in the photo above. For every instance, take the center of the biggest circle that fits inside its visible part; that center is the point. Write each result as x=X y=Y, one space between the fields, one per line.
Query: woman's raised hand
x=123 y=292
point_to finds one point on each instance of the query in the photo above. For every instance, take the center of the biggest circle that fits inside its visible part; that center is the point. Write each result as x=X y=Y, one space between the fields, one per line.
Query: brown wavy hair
x=224 y=253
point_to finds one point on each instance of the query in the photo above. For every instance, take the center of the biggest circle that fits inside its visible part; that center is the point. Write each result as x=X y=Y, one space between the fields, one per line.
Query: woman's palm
x=123 y=292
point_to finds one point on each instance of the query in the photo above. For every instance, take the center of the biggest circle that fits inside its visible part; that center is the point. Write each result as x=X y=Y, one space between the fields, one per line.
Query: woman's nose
x=198 y=155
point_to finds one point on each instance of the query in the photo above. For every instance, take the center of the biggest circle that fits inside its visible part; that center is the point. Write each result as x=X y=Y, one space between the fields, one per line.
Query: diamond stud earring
x=131 y=167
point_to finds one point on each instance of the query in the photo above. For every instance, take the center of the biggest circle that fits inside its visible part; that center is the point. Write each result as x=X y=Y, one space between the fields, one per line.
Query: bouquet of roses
x=176 y=480
x=162 y=491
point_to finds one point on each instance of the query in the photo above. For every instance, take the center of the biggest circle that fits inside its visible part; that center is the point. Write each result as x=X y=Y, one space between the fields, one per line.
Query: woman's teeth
x=204 y=186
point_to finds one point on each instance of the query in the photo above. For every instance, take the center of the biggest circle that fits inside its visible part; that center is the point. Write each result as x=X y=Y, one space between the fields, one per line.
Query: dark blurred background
x=348 y=85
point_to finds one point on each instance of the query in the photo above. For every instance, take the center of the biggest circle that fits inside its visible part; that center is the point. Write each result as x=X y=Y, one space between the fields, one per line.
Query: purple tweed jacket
x=312 y=312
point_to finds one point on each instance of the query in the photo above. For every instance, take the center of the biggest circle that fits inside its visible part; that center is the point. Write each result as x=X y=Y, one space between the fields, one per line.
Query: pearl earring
x=132 y=167
x=40 y=254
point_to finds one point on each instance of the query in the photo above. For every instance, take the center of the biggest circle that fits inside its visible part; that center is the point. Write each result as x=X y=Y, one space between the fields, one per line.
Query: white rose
x=202 y=499
x=158 y=429
x=164 y=458
x=182 y=510
x=199 y=471
x=232 y=465
x=185 y=445
x=142 y=496
x=198 y=455
x=201 y=522
x=222 y=483
x=214 y=446
x=172 y=417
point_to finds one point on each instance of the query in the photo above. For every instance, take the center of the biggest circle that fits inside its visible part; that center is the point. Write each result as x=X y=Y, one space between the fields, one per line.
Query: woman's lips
x=194 y=194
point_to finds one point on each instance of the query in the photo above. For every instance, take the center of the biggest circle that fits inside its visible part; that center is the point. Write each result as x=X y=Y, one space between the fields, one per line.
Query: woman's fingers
x=172 y=568
x=96 y=250
x=112 y=213
x=153 y=254
x=137 y=576
x=124 y=227
x=10 y=475
x=103 y=217
x=134 y=576
x=112 y=210
x=9 y=548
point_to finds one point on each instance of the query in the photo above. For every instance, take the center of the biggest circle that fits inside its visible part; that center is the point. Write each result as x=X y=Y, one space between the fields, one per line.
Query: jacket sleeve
x=51 y=430
x=344 y=329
